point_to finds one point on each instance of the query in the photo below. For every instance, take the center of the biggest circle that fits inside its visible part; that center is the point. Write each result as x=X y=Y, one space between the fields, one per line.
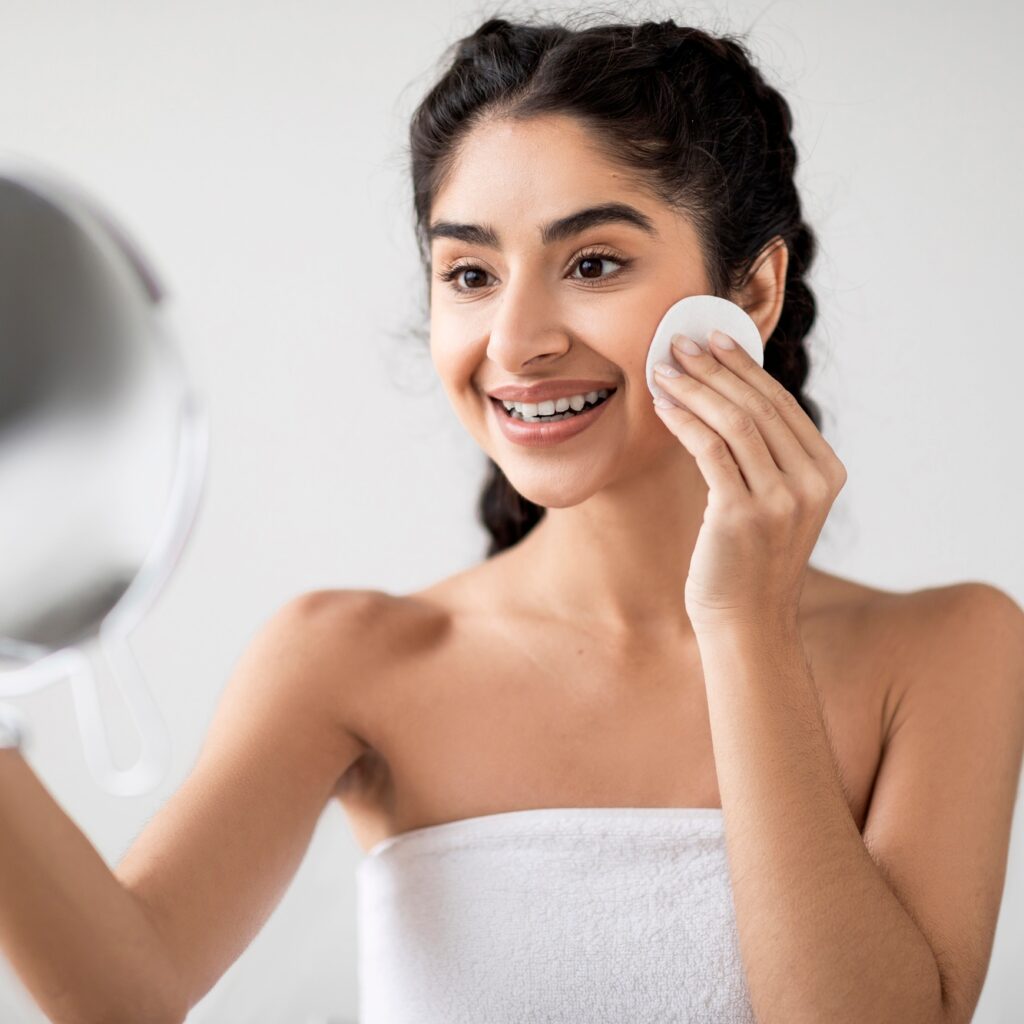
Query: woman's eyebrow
x=556 y=231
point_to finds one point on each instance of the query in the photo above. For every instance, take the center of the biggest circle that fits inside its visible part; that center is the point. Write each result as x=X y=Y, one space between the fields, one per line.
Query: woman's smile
x=546 y=432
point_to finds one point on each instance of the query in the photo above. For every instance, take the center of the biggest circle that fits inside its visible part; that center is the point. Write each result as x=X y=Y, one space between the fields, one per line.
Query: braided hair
x=693 y=119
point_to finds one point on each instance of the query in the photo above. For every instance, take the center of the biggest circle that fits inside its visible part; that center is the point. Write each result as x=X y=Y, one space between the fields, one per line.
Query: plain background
x=257 y=152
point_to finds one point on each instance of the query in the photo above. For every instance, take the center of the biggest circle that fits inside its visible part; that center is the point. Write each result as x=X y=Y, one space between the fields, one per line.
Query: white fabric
x=577 y=915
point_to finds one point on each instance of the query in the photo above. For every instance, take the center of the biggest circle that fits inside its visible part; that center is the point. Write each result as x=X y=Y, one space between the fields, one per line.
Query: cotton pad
x=697 y=316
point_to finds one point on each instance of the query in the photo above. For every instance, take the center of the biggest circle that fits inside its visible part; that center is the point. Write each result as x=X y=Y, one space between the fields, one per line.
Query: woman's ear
x=765 y=288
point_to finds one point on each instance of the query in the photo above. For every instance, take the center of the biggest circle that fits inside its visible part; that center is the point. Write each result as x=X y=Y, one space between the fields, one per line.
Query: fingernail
x=689 y=346
x=721 y=340
x=666 y=371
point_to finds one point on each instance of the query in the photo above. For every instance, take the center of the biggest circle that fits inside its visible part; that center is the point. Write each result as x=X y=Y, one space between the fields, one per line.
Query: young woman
x=643 y=762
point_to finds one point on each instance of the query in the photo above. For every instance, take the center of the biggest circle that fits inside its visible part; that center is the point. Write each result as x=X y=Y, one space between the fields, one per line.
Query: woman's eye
x=593 y=259
x=455 y=272
x=586 y=262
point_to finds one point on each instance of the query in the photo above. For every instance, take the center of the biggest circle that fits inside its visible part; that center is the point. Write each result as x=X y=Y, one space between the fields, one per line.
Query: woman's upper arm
x=940 y=817
x=214 y=862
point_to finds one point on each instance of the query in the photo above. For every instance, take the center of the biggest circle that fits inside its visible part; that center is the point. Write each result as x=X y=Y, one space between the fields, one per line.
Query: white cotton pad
x=697 y=316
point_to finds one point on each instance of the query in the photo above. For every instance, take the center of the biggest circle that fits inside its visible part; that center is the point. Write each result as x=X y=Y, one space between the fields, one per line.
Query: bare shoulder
x=368 y=636
x=955 y=643
x=982 y=620
x=900 y=620
x=970 y=616
x=985 y=604
x=308 y=660
x=902 y=639
x=374 y=623
x=366 y=624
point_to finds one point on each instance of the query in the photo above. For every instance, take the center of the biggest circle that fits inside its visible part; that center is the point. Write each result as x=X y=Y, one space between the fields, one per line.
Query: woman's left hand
x=772 y=479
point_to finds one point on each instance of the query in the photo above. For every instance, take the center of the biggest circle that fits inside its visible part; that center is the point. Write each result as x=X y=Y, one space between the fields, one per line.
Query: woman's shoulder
x=914 y=638
x=961 y=618
x=371 y=633
x=369 y=623
x=359 y=639
x=894 y=634
x=919 y=614
x=909 y=611
x=838 y=593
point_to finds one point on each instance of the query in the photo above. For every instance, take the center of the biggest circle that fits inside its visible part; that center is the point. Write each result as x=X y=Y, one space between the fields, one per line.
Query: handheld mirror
x=103 y=448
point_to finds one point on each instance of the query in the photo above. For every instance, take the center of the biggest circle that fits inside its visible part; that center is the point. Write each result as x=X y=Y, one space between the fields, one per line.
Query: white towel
x=577 y=915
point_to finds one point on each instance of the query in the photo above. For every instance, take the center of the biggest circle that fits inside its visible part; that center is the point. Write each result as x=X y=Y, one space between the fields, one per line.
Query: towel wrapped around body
x=576 y=915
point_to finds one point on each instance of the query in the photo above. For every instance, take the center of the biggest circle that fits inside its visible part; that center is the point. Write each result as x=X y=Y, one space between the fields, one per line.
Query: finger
x=713 y=456
x=788 y=452
x=740 y=362
x=736 y=427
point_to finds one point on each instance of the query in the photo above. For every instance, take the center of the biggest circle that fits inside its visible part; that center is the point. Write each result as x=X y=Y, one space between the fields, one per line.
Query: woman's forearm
x=78 y=940
x=822 y=936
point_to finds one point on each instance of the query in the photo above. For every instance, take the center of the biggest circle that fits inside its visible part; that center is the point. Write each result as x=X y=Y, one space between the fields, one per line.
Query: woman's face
x=522 y=308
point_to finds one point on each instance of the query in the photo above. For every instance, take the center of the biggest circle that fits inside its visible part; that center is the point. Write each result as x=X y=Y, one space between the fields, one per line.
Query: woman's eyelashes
x=451 y=274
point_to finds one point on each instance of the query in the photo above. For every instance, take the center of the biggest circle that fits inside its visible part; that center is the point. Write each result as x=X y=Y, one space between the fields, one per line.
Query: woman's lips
x=534 y=435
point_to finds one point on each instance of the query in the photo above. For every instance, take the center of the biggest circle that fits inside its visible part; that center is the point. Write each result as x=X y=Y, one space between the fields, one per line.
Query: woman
x=643 y=762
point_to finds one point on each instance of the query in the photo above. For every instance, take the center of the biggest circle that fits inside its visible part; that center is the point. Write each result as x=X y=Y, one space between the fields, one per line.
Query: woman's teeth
x=557 y=409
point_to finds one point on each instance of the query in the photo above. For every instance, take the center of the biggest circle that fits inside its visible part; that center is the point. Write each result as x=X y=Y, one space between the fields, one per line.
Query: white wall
x=256 y=150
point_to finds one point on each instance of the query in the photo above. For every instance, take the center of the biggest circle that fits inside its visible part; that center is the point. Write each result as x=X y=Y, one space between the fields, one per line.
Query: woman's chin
x=552 y=490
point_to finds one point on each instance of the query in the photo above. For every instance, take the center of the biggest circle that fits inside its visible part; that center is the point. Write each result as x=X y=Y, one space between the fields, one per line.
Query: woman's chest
x=484 y=722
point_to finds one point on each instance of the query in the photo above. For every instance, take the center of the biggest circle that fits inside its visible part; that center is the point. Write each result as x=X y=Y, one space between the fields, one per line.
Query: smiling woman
x=678 y=121
x=605 y=783
x=642 y=762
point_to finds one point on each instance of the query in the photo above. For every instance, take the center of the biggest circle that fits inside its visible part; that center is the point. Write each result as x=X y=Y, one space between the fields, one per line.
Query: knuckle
x=824 y=489
x=784 y=399
x=783 y=502
x=759 y=405
x=715 y=448
x=817 y=488
x=741 y=423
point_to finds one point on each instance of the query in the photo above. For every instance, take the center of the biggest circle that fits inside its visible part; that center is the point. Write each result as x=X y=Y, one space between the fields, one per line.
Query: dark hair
x=691 y=117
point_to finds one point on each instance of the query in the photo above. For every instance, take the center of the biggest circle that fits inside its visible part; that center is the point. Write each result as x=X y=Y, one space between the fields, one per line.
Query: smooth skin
x=214 y=863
